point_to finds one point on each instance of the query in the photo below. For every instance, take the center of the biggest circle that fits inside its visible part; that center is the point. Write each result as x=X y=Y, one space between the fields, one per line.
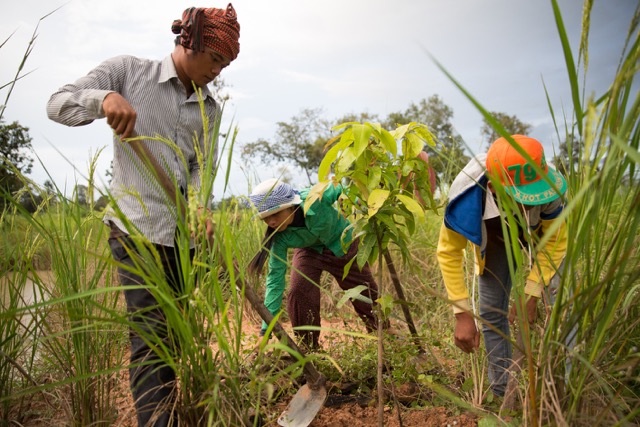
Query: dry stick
x=396 y=402
x=509 y=402
x=380 y=364
x=19 y=368
x=405 y=308
x=531 y=370
x=380 y=353
x=26 y=375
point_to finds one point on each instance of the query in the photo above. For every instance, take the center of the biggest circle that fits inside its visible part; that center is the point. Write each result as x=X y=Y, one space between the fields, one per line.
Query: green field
x=64 y=326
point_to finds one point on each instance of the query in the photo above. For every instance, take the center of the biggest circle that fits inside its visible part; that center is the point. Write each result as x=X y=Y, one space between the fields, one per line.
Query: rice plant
x=585 y=368
x=603 y=263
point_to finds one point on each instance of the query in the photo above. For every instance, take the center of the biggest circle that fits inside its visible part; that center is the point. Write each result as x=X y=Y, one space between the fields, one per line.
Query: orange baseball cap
x=518 y=176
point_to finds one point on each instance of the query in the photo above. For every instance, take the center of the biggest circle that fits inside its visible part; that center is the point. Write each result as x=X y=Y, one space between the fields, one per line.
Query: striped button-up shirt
x=163 y=109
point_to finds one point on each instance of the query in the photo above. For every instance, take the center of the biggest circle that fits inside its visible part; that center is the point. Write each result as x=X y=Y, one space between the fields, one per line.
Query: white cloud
x=341 y=56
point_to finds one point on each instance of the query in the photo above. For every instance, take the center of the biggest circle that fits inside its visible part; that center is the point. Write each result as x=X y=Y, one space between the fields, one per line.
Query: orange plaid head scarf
x=217 y=29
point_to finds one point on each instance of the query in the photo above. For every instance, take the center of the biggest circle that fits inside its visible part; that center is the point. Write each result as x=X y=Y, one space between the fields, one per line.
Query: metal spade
x=306 y=403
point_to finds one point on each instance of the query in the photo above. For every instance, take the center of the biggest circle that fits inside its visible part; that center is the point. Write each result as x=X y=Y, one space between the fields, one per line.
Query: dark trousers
x=152 y=381
x=303 y=299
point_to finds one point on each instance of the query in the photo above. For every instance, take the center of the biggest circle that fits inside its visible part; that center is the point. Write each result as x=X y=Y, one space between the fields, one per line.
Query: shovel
x=310 y=397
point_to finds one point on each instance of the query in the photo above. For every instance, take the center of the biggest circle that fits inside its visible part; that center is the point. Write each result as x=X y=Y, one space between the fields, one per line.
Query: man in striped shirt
x=153 y=98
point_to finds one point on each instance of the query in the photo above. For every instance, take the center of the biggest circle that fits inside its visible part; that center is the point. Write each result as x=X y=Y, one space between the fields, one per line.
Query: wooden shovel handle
x=149 y=160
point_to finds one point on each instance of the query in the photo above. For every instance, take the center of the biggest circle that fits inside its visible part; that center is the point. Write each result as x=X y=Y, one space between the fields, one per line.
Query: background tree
x=357 y=117
x=101 y=203
x=50 y=191
x=299 y=142
x=511 y=124
x=15 y=144
x=81 y=195
x=568 y=156
x=448 y=156
x=30 y=197
x=220 y=90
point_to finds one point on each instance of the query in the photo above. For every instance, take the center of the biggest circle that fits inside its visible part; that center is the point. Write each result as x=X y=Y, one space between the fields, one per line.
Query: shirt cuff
x=461 y=306
x=533 y=289
x=95 y=99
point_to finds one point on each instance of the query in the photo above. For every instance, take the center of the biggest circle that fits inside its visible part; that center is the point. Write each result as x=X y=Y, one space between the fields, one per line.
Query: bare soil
x=354 y=415
x=342 y=410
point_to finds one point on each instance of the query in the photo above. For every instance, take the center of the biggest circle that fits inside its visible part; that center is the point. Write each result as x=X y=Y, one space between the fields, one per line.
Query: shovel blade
x=304 y=407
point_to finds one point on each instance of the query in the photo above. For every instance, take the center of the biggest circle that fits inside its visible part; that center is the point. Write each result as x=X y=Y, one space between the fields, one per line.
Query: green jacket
x=323 y=229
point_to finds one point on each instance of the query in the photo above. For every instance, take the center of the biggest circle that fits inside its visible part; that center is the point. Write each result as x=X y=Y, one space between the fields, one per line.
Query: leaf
x=373 y=178
x=467 y=386
x=330 y=157
x=408 y=167
x=315 y=193
x=400 y=131
x=345 y=160
x=342 y=125
x=361 y=134
x=405 y=219
x=412 y=145
x=424 y=133
x=487 y=422
x=376 y=200
x=360 y=175
x=411 y=224
x=330 y=142
x=388 y=221
x=386 y=304
x=373 y=256
x=628 y=149
x=376 y=127
x=347 y=267
x=389 y=142
x=413 y=206
x=366 y=246
x=353 y=294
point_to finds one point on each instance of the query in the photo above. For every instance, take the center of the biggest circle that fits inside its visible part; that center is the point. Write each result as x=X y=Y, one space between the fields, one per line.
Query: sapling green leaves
x=386 y=190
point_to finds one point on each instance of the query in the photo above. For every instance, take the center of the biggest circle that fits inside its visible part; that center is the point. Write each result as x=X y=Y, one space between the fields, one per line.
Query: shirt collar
x=490 y=206
x=168 y=72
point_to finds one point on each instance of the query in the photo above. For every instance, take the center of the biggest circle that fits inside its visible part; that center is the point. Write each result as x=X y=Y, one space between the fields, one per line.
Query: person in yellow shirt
x=473 y=215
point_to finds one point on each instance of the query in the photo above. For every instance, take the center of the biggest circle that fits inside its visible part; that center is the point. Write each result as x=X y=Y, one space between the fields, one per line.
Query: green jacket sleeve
x=326 y=223
x=275 y=278
x=331 y=194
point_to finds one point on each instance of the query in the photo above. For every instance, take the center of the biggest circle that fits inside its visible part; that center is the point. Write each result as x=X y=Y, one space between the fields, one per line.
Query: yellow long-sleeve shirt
x=464 y=225
x=450 y=253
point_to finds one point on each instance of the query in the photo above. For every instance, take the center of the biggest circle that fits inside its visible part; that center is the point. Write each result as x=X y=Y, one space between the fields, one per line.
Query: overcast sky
x=344 y=56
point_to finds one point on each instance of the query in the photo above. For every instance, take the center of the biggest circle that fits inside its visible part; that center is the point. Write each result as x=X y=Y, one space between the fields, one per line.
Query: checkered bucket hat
x=272 y=196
